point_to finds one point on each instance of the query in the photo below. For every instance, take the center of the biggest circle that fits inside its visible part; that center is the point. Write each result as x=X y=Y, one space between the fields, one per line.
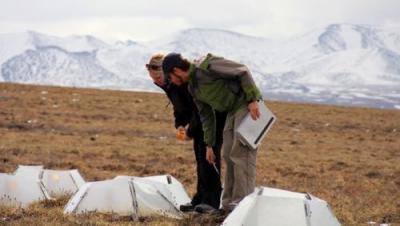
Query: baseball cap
x=170 y=61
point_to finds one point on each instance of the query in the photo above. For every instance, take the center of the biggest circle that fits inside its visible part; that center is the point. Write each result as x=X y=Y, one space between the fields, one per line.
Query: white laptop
x=251 y=132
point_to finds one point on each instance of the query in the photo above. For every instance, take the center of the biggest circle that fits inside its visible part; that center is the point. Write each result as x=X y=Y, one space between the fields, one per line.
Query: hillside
x=347 y=156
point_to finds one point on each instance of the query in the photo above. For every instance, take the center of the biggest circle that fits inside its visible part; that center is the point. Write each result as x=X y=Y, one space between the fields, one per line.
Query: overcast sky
x=144 y=20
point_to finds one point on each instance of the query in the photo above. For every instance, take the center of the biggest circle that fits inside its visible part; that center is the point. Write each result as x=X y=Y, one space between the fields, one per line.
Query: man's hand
x=181 y=133
x=210 y=155
x=254 y=110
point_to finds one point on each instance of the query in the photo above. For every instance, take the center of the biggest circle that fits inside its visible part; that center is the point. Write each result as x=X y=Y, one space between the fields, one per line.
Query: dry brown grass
x=347 y=156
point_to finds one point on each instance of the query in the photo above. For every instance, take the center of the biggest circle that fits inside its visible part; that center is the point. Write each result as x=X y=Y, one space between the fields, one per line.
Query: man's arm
x=207 y=118
x=231 y=70
x=182 y=114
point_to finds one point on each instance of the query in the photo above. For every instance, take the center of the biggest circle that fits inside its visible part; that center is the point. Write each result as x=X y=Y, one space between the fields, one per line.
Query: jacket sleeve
x=207 y=118
x=181 y=118
x=182 y=114
x=231 y=70
x=194 y=126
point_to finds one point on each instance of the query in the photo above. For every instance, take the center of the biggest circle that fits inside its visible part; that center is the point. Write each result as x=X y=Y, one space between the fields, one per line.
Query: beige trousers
x=240 y=175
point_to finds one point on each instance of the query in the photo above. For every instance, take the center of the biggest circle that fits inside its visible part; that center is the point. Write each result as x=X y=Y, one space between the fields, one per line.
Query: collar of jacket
x=192 y=75
x=204 y=64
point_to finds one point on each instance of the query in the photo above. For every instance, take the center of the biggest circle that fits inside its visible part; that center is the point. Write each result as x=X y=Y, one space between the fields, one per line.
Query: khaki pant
x=240 y=175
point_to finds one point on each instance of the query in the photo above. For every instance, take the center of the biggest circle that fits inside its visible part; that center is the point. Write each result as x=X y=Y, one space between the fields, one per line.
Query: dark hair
x=174 y=60
x=184 y=65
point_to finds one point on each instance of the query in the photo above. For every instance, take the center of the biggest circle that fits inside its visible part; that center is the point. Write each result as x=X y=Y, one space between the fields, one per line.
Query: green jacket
x=222 y=85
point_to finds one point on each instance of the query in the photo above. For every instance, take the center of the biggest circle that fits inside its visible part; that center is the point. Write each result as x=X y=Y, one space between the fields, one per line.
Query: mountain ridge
x=341 y=64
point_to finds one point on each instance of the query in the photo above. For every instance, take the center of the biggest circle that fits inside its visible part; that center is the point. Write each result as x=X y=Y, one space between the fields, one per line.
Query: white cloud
x=150 y=19
x=109 y=28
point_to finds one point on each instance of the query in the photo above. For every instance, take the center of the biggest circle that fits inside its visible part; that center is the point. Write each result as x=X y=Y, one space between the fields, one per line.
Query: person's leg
x=213 y=173
x=209 y=179
x=220 y=121
x=226 y=152
x=212 y=186
x=197 y=148
x=244 y=163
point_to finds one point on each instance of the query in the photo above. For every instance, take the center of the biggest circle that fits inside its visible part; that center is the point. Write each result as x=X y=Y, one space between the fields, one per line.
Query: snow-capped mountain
x=340 y=63
x=48 y=64
x=15 y=44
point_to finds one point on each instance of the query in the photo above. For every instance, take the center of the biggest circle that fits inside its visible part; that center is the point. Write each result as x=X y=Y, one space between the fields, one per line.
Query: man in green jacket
x=221 y=85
